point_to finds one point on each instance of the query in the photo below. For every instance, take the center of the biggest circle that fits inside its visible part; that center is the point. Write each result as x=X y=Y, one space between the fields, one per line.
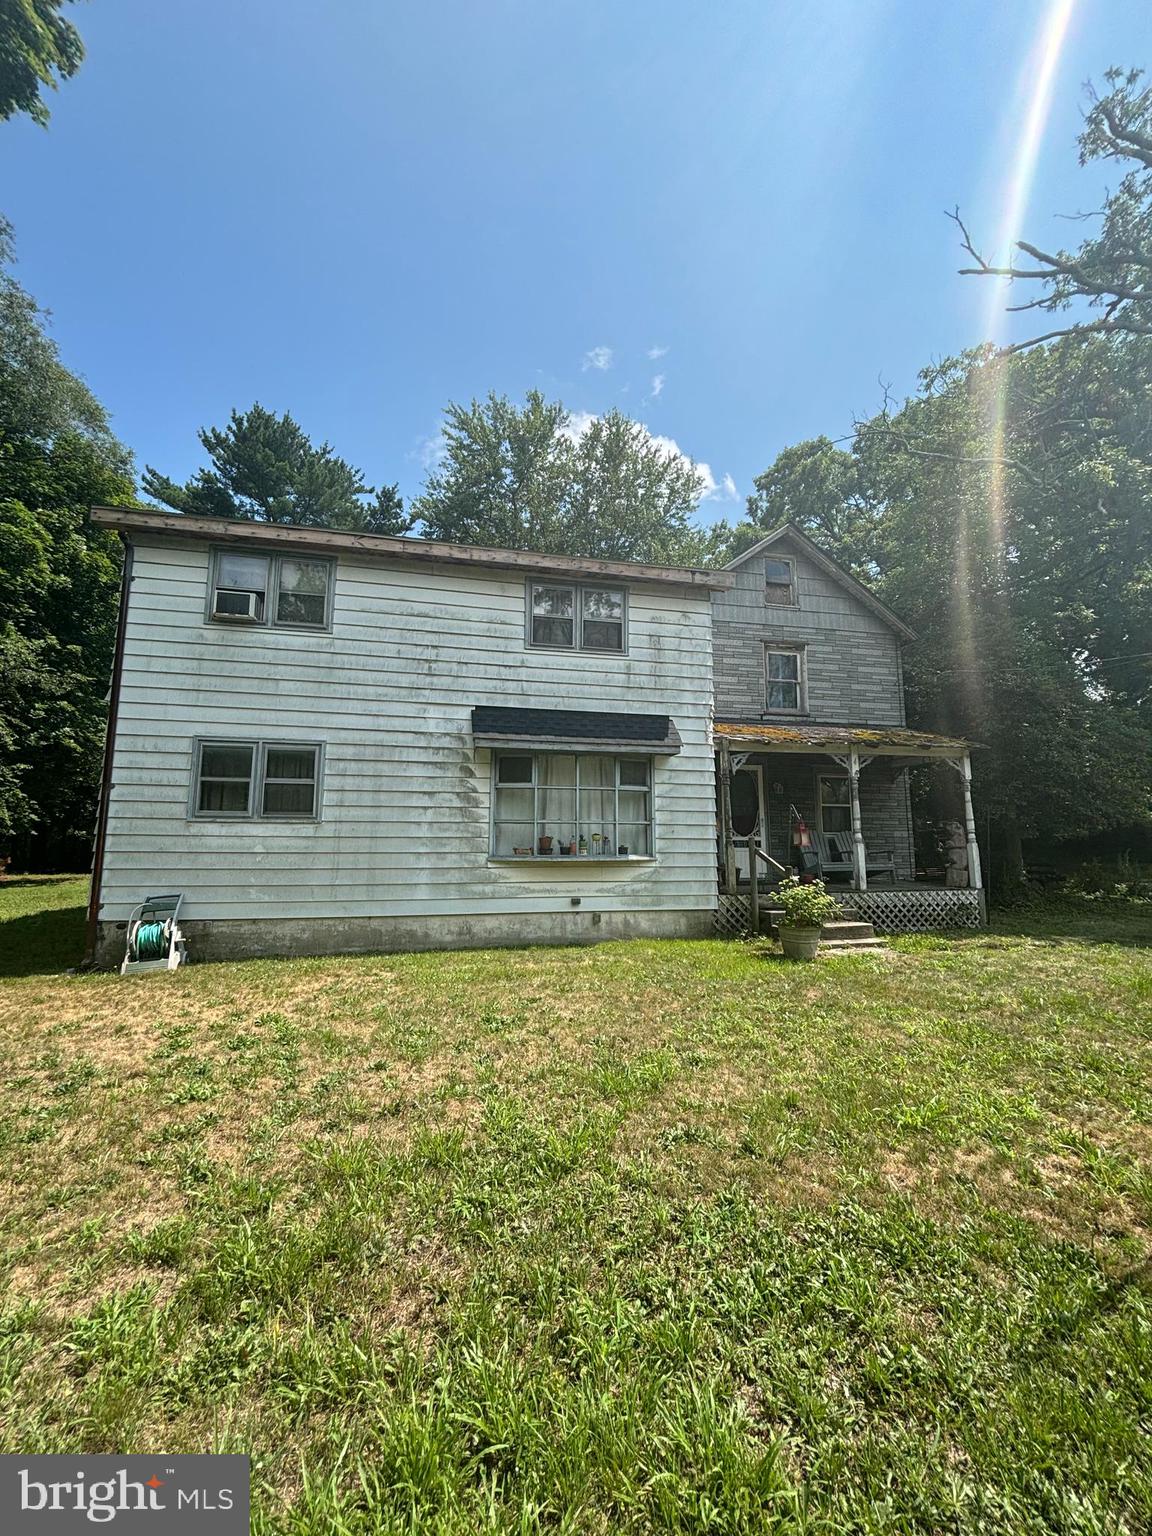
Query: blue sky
x=726 y=219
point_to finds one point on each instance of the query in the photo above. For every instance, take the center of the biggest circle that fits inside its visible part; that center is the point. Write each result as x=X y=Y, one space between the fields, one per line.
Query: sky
x=728 y=220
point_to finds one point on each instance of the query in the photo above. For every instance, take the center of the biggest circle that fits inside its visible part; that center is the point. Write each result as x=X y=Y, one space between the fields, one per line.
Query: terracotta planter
x=800 y=943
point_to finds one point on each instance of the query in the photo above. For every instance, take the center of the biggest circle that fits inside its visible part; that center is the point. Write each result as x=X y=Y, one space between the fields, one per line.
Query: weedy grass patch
x=642 y=1237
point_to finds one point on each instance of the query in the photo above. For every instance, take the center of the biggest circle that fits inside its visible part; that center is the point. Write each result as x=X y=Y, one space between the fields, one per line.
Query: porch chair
x=835 y=853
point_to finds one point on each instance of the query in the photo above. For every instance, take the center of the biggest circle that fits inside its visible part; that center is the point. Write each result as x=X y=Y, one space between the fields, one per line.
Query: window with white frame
x=288 y=591
x=566 y=805
x=784 y=667
x=779 y=583
x=563 y=616
x=833 y=803
x=266 y=780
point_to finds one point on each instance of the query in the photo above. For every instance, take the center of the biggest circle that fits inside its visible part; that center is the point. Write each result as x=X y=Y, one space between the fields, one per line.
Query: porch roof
x=875 y=740
x=574 y=730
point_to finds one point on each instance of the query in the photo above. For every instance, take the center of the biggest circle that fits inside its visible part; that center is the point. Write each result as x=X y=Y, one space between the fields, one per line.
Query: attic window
x=779 y=583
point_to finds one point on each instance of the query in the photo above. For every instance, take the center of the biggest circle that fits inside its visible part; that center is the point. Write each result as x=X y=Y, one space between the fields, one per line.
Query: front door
x=749 y=818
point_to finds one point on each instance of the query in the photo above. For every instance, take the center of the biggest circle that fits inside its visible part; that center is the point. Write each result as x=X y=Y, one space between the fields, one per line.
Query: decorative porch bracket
x=963 y=766
x=852 y=765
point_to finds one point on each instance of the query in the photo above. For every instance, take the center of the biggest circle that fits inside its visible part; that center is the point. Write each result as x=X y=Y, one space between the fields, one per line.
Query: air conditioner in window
x=232 y=604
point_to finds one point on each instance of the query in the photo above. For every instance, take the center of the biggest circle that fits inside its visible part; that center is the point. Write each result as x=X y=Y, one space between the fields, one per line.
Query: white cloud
x=577 y=424
x=430 y=452
x=599 y=358
x=657 y=388
x=656 y=353
x=728 y=485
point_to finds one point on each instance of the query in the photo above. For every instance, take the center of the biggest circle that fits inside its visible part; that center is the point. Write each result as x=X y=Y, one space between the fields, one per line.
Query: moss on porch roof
x=876 y=738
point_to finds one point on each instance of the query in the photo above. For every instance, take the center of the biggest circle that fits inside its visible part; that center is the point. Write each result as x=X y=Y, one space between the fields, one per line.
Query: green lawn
x=645 y=1237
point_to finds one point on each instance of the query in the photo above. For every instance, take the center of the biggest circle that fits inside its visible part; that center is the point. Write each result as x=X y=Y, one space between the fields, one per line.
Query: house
x=333 y=742
x=811 y=733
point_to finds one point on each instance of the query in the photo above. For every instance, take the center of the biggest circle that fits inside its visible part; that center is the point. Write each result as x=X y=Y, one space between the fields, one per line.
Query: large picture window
x=569 y=617
x=286 y=591
x=559 y=805
x=269 y=780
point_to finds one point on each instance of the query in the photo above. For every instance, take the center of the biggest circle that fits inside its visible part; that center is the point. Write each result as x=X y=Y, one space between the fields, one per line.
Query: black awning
x=572 y=730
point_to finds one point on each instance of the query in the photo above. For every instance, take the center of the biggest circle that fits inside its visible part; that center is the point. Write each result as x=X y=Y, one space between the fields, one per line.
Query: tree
x=265 y=468
x=58 y=609
x=37 y=44
x=1112 y=271
x=530 y=477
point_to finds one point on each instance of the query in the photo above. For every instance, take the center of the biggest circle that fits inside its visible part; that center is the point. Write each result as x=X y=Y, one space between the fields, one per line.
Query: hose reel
x=155 y=942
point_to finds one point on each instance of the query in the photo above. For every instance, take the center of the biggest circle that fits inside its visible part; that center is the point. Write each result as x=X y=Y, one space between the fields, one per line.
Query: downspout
x=109 y=750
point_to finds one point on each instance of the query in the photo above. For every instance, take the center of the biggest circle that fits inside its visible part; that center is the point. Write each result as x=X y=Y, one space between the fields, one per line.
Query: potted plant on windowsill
x=806 y=907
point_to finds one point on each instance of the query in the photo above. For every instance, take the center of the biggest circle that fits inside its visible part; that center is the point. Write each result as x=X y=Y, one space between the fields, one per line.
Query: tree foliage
x=264 y=467
x=1111 y=272
x=57 y=610
x=37 y=45
x=531 y=477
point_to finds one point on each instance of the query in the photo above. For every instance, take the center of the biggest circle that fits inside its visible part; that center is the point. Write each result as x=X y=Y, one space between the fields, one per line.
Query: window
x=833 y=806
x=779 y=583
x=785 y=680
x=271 y=780
x=562 y=805
x=584 y=618
x=289 y=591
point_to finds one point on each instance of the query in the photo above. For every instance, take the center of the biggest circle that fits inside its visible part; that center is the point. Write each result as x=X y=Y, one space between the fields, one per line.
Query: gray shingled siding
x=852 y=656
x=885 y=808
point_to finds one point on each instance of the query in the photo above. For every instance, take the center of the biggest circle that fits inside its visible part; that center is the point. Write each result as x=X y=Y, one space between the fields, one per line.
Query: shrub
x=805 y=905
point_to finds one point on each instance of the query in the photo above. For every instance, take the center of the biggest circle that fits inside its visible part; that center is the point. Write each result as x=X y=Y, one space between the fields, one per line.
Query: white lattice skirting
x=915 y=911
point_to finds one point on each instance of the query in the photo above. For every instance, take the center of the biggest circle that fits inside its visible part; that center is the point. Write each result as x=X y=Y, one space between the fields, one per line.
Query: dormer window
x=779 y=583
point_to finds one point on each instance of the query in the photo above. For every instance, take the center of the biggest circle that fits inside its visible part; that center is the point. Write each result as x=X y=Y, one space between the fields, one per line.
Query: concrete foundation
x=230 y=939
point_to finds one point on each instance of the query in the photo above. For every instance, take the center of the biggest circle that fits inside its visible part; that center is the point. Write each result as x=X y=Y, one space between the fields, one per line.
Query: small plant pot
x=800 y=943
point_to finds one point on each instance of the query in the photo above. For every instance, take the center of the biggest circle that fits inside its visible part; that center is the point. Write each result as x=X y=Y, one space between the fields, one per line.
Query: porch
x=848 y=786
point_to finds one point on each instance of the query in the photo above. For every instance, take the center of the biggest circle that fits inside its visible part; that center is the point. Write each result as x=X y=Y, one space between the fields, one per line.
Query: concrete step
x=846 y=929
x=851 y=946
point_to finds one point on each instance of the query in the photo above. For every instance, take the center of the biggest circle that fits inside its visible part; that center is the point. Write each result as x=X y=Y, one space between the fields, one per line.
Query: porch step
x=846 y=928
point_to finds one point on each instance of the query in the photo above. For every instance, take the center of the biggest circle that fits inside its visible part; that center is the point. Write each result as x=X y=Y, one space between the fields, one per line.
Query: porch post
x=729 y=848
x=859 y=857
x=975 y=876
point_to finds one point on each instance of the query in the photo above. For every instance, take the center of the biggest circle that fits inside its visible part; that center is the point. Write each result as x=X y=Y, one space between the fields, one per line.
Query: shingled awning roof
x=873 y=740
x=568 y=730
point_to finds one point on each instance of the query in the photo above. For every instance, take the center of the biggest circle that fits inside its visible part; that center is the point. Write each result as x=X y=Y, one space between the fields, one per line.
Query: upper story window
x=286 y=591
x=571 y=617
x=785 y=679
x=271 y=780
x=780 y=583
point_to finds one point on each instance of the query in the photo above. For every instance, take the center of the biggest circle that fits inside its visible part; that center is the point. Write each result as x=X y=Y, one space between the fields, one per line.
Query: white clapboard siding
x=403 y=829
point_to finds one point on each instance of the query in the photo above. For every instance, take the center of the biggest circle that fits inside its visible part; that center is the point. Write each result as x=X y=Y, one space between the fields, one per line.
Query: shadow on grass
x=1130 y=926
x=42 y=942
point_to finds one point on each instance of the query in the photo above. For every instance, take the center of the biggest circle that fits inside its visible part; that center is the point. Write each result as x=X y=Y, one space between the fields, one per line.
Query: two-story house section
x=813 y=741
x=334 y=742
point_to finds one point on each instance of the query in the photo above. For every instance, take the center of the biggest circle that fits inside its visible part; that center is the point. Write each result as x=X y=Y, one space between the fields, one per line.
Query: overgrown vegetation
x=641 y=1237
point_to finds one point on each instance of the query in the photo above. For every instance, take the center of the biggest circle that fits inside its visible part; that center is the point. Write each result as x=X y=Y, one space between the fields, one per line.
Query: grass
x=647 y=1237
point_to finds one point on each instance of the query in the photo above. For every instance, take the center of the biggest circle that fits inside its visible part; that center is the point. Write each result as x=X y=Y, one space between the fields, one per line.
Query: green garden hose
x=150 y=941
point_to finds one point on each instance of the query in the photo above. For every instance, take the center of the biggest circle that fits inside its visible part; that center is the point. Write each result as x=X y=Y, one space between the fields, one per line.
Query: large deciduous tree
x=1110 y=274
x=37 y=45
x=58 y=603
x=533 y=477
x=264 y=467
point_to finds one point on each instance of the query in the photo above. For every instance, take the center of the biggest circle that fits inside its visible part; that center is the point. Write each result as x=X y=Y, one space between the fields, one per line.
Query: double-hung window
x=780 y=583
x=563 y=616
x=265 y=780
x=564 y=805
x=833 y=803
x=784 y=666
x=285 y=591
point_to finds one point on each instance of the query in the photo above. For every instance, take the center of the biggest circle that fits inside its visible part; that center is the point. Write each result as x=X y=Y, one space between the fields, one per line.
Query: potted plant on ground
x=806 y=907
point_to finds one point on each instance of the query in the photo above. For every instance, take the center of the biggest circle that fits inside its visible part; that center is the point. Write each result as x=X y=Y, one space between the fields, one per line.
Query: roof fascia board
x=137 y=520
